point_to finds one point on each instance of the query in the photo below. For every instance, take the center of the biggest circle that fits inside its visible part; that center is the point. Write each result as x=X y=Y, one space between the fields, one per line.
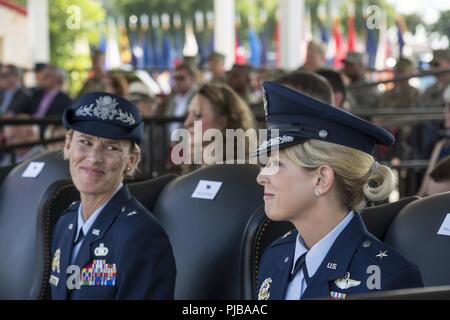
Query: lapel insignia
x=346 y=283
x=54 y=280
x=101 y=250
x=337 y=295
x=382 y=254
x=71 y=226
x=56 y=260
x=288 y=233
x=96 y=232
x=332 y=265
x=264 y=291
x=286 y=259
x=132 y=213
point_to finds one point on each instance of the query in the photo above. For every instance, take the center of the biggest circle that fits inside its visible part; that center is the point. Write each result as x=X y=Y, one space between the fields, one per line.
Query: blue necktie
x=300 y=264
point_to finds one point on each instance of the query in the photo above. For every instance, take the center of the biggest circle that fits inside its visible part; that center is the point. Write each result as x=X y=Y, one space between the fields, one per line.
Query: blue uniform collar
x=86 y=225
x=317 y=253
x=339 y=255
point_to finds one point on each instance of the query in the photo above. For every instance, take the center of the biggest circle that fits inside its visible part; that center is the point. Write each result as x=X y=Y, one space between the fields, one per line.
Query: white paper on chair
x=445 y=227
x=33 y=169
x=207 y=189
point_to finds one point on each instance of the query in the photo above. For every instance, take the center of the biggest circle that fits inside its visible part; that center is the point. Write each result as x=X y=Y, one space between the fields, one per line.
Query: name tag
x=54 y=280
x=445 y=227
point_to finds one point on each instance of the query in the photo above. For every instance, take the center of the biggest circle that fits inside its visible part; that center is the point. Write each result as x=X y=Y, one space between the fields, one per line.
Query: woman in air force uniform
x=107 y=246
x=318 y=175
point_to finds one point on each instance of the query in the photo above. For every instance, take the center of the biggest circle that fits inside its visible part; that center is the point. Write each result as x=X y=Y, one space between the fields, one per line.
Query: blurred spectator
x=315 y=57
x=95 y=81
x=425 y=135
x=238 y=79
x=439 y=178
x=309 y=83
x=434 y=95
x=55 y=132
x=402 y=95
x=39 y=76
x=218 y=106
x=440 y=151
x=15 y=98
x=360 y=97
x=20 y=134
x=216 y=62
x=116 y=84
x=184 y=85
x=140 y=95
x=49 y=100
x=336 y=82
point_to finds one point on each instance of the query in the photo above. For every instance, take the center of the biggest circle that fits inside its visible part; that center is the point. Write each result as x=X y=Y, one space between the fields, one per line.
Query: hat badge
x=106 y=108
x=264 y=291
x=101 y=250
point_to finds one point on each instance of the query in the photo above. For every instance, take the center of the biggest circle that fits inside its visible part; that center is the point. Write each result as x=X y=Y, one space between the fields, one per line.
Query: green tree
x=442 y=26
x=71 y=22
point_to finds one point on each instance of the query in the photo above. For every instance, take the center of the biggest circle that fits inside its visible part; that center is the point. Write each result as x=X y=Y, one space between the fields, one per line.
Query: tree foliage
x=71 y=22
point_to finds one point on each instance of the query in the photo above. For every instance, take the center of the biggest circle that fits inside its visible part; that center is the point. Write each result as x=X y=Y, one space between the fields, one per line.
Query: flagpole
x=224 y=29
x=38 y=27
x=291 y=13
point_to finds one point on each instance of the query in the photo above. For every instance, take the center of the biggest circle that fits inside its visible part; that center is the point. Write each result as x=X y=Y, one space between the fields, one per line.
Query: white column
x=39 y=30
x=291 y=32
x=224 y=29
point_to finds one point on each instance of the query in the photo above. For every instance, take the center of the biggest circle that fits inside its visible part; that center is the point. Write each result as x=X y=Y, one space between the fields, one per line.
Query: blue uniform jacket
x=125 y=255
x=356 y=263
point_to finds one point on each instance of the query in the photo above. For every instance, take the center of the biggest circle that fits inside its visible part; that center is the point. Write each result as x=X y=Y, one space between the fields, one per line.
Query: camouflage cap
x=354 y=57
x=441 y=54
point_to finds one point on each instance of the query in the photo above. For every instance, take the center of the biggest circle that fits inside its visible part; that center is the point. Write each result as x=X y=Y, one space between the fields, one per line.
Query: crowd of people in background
x=230 y=99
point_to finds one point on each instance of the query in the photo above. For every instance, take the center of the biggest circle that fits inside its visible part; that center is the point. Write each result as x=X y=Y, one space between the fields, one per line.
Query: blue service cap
x=105 y=115
x=299 y=118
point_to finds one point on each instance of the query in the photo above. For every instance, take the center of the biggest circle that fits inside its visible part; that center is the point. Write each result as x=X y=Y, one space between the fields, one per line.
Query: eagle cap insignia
x=106 y=108
x=264 y=291
x=345 y=282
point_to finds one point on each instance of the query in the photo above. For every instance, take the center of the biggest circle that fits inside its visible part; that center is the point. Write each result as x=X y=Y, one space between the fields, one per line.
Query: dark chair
x=4 y=171
x=23 y=227
x=260 y=232
x=206 y=234
x=414 y=233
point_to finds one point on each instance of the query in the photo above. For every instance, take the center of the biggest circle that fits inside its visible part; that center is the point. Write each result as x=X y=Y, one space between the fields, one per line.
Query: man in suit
x=15 y=99
x=50 y=100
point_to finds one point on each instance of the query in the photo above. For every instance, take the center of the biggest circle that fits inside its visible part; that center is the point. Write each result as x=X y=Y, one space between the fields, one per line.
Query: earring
x=317 y=193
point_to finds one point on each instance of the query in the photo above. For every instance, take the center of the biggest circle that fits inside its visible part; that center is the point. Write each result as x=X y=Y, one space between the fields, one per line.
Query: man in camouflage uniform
x=434 y=95
x=360 y=98
x=402 y=95
x=426 y=134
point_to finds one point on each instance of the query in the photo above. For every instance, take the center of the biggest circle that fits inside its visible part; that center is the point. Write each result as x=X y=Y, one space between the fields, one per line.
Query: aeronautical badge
x=264 y=291
x=337 y=295
x=101 y=250
x=345 y=282
x=56 y=260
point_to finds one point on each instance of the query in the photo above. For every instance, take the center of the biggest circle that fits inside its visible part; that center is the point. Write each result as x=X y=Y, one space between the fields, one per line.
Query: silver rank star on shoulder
x=382 y=254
